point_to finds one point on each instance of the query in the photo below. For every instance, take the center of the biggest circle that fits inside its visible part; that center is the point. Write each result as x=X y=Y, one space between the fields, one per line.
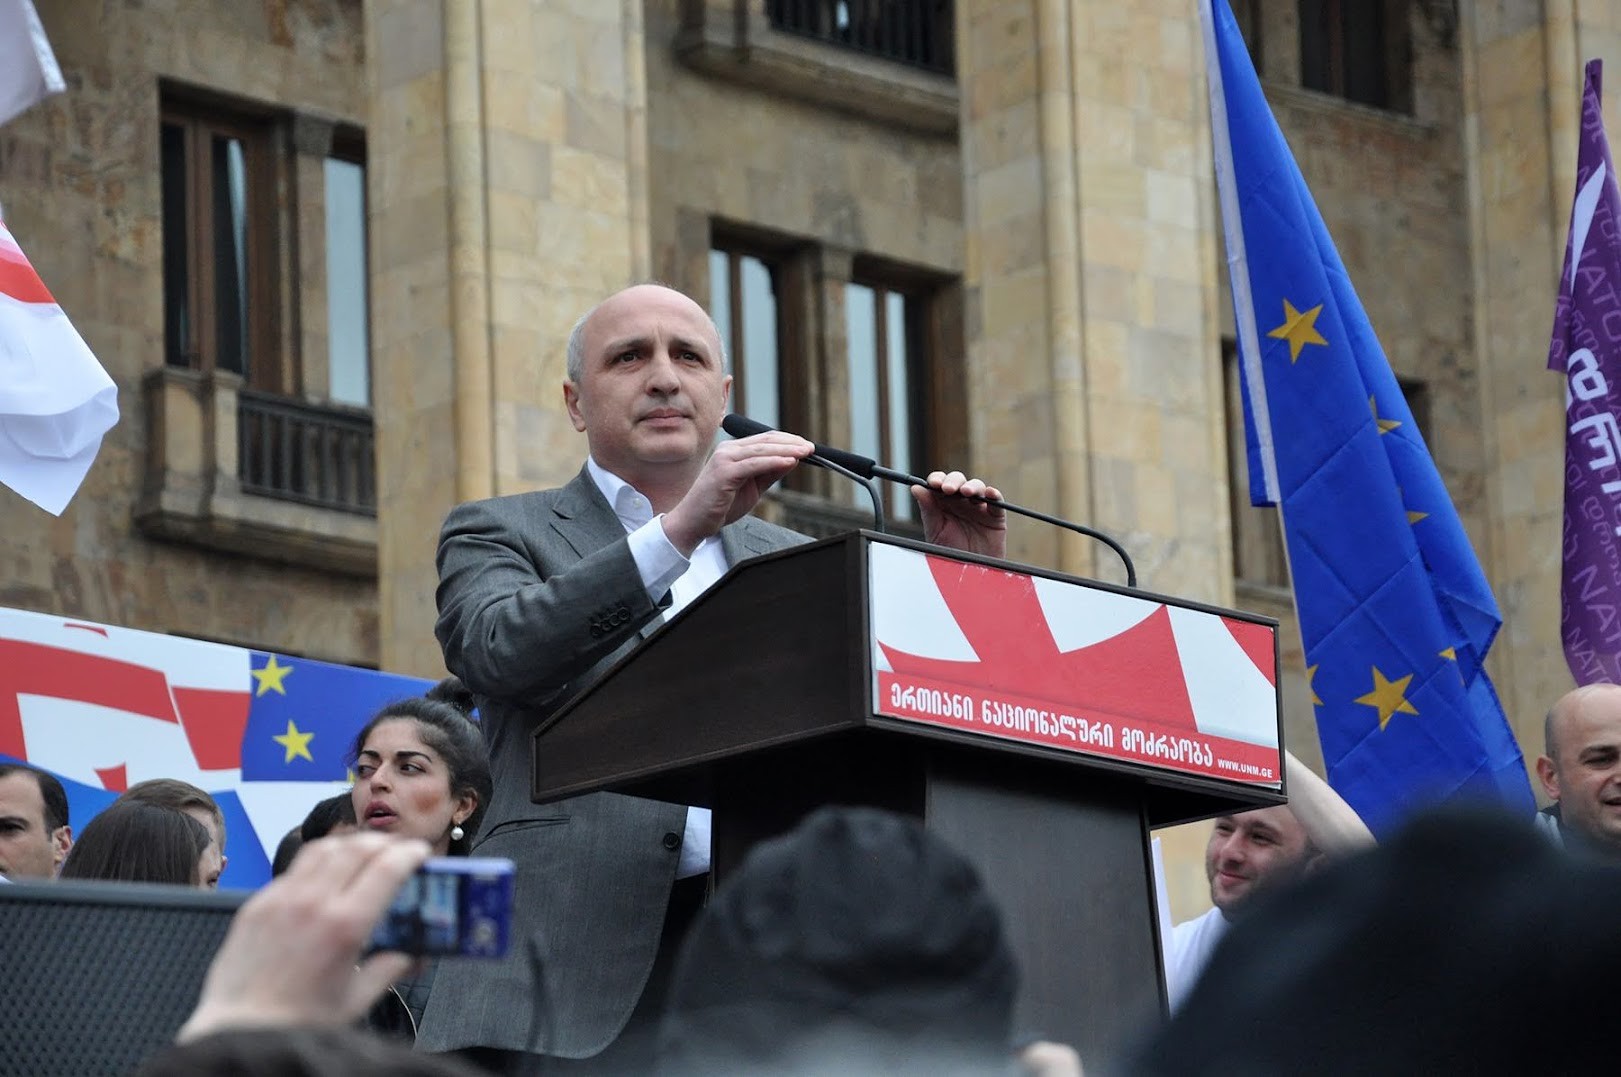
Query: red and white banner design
x=56 y=401
x=1054 y=663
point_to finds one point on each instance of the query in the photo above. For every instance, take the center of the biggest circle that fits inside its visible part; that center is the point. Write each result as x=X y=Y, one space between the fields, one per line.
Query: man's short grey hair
x=576 y=346
x=575 y=356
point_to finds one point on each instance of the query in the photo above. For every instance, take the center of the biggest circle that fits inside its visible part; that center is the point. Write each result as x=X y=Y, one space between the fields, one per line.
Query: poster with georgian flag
x=1061 y=664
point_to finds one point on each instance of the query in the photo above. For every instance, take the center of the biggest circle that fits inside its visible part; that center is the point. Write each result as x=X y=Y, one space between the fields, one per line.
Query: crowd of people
x=857 y=943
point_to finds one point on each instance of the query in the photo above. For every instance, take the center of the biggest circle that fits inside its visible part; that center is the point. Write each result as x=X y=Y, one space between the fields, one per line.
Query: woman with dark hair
x=421 y=771
x=137 y=842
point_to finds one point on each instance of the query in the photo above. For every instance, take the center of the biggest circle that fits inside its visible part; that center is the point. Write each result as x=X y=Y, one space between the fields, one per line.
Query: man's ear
x=61 y=844
x=571 y=401
x=1550 y=777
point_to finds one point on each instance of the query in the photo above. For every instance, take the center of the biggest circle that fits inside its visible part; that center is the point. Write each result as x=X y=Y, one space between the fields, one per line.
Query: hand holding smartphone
x=451 y=907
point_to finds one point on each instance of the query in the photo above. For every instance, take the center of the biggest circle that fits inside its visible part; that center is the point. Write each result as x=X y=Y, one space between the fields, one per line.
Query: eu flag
x=1395 y=613
x=303 y=715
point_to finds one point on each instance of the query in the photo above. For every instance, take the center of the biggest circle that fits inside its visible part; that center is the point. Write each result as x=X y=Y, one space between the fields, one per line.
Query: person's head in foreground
x=1465 y=944
x=184 y=797
x=858 y=943
x=132 y=841
x=421 y=770
x=34 y=833
x=1581 y=768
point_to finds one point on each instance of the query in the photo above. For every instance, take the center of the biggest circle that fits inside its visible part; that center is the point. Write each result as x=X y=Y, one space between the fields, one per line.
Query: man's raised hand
x=955 y=521
x=731 y=483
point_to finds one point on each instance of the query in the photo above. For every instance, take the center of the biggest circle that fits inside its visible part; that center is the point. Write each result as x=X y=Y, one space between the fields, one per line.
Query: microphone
x=835 y=460
x=740 y=426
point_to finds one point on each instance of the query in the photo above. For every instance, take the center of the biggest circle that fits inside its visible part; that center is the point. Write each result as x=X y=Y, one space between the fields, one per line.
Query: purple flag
x=1586 y=345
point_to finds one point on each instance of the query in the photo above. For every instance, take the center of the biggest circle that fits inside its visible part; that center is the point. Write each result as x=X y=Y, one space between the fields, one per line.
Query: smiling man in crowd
x=1257 y=851
x=1581 y=771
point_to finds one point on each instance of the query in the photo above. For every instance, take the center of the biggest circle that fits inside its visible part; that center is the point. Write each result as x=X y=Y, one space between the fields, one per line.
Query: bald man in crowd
x=1255 y=852
x=1581 y=771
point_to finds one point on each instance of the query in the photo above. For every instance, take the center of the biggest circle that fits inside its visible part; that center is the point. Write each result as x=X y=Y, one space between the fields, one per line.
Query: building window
x=347 y=307
x=219 y=245
x=242 y=186
x=915 y=32
x=744 y=290
x=1258 y=546
x=1247 y=13
x=841 y=348
x=883 y=327
x=1358 y=50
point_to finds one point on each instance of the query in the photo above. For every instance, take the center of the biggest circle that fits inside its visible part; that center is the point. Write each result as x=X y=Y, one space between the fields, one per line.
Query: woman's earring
x=457 y=833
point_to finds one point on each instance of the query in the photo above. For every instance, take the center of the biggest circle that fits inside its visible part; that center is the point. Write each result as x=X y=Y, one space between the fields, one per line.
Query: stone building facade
x=994 y=217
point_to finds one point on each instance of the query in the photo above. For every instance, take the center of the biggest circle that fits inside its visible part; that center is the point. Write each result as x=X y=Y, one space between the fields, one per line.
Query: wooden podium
x=1039 y=723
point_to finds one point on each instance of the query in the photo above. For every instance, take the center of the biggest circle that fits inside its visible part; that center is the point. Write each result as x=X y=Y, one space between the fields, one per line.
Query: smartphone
x=454 y=906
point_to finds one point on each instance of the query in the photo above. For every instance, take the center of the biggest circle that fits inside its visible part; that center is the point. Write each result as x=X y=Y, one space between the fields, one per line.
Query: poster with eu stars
x=1395 y=612
x=104 y=707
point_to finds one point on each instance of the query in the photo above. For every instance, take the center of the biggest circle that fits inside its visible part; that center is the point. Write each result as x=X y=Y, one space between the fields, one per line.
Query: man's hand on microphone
x=955 y=521
x=730 y=484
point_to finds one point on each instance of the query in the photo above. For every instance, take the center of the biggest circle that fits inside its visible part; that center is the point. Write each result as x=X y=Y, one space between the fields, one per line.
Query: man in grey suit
x=541 y=592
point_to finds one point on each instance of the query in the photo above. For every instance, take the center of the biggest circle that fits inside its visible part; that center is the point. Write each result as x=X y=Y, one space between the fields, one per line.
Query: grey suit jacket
x=538 y=595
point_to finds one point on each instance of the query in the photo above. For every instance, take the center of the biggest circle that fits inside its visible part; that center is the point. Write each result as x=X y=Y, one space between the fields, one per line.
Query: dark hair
x=176 y=795
x=291 y=842
x=329 y=813
x=136 y=842
x=50 y=791
x=859 y=931
x=444 y=716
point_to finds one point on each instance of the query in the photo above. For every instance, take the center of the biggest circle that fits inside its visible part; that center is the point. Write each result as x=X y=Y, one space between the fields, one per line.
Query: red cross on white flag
x=56 y=401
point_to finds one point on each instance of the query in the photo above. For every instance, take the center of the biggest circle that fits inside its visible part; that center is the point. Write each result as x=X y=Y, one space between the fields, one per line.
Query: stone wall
x=80 y=186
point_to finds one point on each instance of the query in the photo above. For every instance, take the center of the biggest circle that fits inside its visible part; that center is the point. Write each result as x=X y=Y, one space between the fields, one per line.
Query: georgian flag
x=28 y=70
x=56 y=401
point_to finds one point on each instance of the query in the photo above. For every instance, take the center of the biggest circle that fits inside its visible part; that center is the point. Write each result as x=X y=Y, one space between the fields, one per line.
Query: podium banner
x=1060 y=664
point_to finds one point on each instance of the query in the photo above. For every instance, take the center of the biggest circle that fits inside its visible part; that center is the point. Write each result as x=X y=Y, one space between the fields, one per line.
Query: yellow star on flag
x=1413 y=515
x=1299 y=328
x=1450 y=654
x=1385 y=425
x=1388 y=697
x=296 y=743
x=270 y=675
x=1311 y=674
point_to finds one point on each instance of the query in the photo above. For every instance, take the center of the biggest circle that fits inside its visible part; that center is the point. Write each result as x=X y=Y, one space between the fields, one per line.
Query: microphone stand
x=878 y=520
x=882 y=472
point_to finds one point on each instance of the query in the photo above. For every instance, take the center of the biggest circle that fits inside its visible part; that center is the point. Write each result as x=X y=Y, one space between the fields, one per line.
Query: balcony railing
x=307 y=453
x=916 y=32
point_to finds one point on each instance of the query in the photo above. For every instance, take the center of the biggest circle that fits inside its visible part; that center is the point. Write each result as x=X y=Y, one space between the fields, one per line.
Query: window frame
x=267 y=367
x=349 y=145
x=916 y=305
x=777 y=257
x=1393 y=51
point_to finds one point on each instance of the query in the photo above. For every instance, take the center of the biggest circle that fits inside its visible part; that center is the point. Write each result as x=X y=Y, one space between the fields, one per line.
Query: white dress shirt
x=665 y=571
